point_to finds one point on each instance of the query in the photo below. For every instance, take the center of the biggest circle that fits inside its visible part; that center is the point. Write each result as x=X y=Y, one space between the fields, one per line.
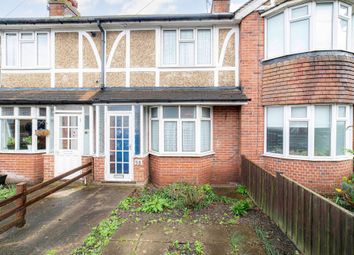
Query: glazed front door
x=68 y=138
x=119 y=147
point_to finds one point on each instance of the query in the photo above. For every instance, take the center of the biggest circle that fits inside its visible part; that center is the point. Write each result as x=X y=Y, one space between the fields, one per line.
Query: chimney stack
x=220 y=6
x=63 y=8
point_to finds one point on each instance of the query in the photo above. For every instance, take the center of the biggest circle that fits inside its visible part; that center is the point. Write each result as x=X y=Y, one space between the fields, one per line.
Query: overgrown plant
x=177 y=248
x=7 y=191
x=155 y=205
x=270 y=249
x=345 y=194
x=241 y=189
x=240 y=207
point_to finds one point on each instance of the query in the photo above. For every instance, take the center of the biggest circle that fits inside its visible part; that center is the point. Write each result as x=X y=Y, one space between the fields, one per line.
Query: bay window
x=310 y=132
x=26 y=50
x=317 y=25
x=186 y=47
x=18 y=126
x=180 y=129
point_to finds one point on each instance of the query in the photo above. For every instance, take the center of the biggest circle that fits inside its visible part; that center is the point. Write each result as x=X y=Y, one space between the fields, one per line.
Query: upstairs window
x=322 y=25
x=186 y=47
x=27 y=50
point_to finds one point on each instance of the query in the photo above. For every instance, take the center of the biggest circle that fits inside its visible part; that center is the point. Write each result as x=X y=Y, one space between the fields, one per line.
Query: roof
x=40 y=96
x=117 y=18
x=165 y=95
x=120 y=95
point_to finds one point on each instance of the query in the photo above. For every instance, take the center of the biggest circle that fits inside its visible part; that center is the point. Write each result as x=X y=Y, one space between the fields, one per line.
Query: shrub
x=241 y=207
x=345 y=194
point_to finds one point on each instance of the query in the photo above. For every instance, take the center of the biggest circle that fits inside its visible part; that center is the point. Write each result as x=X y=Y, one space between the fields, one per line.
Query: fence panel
x=315 y=224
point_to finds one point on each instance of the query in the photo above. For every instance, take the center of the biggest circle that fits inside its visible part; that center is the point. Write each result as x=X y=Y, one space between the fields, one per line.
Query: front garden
x=7 y=191
x=185 y=219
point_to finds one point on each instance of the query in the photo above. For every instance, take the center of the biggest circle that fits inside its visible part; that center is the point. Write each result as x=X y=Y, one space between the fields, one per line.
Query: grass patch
x=99 y=236
x=7 y=191
x=270 y=249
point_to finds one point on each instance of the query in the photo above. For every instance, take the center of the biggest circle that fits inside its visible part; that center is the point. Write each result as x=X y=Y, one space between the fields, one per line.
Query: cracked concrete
x=61 y=221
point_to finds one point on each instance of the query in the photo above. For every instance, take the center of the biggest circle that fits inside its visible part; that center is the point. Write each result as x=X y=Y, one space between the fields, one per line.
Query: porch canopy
x=46 y=96
x=146 y=95
x=151 y=95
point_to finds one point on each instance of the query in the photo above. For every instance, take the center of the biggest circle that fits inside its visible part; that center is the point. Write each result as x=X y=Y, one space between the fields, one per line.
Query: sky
x=38 y=8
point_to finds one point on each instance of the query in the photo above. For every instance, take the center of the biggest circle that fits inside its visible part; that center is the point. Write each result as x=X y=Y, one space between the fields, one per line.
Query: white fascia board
x=252 y=6
x=157 y=103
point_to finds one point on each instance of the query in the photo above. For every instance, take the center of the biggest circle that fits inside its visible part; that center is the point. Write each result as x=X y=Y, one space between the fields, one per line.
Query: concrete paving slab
x=62 y=221
x=120 y=247
x=214 y=234
x=159 y=232
x=151 y=248
x=128 y=232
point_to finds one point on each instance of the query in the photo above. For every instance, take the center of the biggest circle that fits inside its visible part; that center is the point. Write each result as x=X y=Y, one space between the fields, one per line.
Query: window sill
x=25 y=69
x=186 y=67
x=21 y=152
x=183 y=155
x=318 y=159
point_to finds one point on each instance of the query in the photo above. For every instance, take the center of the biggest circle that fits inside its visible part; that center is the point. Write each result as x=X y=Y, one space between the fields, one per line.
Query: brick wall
x=222 y=167
x=98 y=168
x=22 y=167
x=49 y=166
x=309 y=78
x=166 y=170
x=321 y=176
x=252 y=114
x=141 y=172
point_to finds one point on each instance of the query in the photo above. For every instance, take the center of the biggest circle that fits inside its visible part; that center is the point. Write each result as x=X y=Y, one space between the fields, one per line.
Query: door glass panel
x=68 y=133
x=119 y=146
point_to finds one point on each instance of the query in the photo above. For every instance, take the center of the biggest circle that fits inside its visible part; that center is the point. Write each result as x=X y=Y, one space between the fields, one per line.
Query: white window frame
x=34 y=117
x=195 y=41
x=312 y=27
x=19 y=53
x=311 y=129
x=179 y=121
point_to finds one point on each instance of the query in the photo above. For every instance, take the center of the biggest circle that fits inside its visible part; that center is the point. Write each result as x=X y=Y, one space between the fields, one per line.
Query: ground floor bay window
x=308 y=131
x=181 y=130
x=23 y=129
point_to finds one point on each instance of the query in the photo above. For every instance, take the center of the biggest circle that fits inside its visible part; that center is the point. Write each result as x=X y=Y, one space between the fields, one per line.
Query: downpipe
x=103 y=59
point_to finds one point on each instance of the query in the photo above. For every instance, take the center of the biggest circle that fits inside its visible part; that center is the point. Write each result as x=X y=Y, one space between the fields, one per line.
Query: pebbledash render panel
x=179 y=98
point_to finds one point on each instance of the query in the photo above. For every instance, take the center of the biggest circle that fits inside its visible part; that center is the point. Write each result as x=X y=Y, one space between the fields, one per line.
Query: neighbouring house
x=171 y=98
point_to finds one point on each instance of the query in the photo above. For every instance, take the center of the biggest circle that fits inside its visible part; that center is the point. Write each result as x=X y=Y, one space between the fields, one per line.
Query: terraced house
x=170 y=98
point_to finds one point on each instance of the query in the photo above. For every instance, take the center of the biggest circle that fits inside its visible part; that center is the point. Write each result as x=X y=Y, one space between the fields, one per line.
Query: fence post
x=21 y=215
x=279 y=198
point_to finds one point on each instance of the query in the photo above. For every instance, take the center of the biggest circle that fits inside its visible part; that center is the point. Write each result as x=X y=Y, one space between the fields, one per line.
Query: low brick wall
x=22 y=167
x=141 y=172
x=320 y=176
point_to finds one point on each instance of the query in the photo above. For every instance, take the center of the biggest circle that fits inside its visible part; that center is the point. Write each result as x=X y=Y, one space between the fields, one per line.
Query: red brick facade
x=22 y=167
x=321 y=176
x=309 y=78
x=222 y=167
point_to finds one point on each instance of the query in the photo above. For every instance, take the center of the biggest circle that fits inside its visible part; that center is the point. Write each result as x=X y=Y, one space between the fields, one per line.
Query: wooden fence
x=315 y=224
x=21 y=198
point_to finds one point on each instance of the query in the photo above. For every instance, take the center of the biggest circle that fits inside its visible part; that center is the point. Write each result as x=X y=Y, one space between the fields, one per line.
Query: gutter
x=103 y=54
x=116 y=18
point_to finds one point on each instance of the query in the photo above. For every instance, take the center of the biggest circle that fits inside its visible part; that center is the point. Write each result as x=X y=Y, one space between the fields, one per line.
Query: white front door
x=67 y=144
x=119 y=152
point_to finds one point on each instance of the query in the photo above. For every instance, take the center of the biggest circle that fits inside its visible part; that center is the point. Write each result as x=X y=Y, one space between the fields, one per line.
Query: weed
x=235 y=240
x=7 y=191
x=156 y=204
x=199 y=248
x=270 y=249
x=240 y=189
x=241 y=207
x=51 y=252
x=126 y=203
x=99 y=236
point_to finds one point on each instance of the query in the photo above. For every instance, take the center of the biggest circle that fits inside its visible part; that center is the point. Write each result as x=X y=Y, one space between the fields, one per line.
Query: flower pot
x=42 y=132
x=29 y=147
x=10 y=146
x=3 y=179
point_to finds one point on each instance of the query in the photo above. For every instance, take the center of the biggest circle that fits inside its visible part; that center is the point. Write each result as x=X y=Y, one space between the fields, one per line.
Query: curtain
x=169 y=47
x=170 y=136
x=204 y=47
x=188 y=136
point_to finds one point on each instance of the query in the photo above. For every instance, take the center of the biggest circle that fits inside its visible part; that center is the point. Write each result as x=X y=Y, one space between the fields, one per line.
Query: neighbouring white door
x=67 y=144
x=119 y=149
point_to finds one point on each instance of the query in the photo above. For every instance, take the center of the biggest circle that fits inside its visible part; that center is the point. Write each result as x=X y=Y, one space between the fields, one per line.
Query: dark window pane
x=275 y=140
x=41 y=140
x=25 y=134
x=298 y=144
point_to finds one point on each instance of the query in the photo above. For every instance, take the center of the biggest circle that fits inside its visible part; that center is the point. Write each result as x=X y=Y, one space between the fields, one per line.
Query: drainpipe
x=103 y=50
